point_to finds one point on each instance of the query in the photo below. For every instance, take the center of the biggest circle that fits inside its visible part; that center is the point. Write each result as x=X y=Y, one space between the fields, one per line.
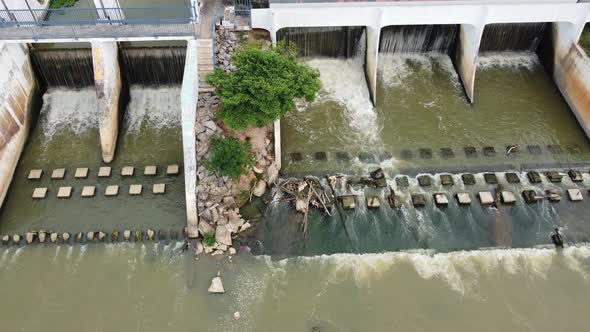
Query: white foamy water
x=74 y=110
x=395 y=69
x=512 y=60
x=156 y=107
x=337 y=76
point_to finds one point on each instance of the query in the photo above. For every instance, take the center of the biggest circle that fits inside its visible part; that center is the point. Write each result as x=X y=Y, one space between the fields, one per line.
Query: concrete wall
x=17 y=89
x=473 y=16
x=188 y=99
x=107 y=75
x=571 y=71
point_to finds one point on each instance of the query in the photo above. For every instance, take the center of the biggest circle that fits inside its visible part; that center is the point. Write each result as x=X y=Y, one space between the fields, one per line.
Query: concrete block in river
x=447 y=153
x=468 y=179
x=90 y=236
x=512 y=178
x=424 y=180
x=575 y=195
x=555 y=149
x=112 y=191
x=485 y=197
x=88 y=191
x=425 y=153
x=58 y=173
x=81 y=173
x=53 y=237
x=490 y=178
x=35 y=174
x=446 y=180
x=150 y=170
x=127 y=171
x=159 y=188
x=341 y=156
x=79 y=237
x=64 y=192
x=534 y=149
x=508 y=197
x=373 y=202
x=135 y=189
x=127 y=235
x=402 y=181
x=575 y=175
x=531 y=196
x=441 y=199
x=407 y=154
x=489 y=151
x=39 y=193
x=42 y=236
x=534 y=177
x=348 y=202
x=173 y=169
x=463 y=198
x=553 y=195
x=554 y=176
x=418 y=200
x=320 y=156
x=65 y=237
x=104 y=172
x=16 y=239
x=470 y=152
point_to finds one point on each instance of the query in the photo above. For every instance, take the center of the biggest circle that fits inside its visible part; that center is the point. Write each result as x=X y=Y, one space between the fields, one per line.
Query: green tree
x=62 y=3
x=263 y=86
x=229 y=157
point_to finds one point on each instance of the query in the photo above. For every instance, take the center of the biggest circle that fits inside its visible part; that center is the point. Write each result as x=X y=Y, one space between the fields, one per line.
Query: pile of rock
x=226 y=43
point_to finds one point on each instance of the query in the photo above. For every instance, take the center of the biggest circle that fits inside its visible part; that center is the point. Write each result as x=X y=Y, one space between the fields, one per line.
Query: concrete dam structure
x=459 y=29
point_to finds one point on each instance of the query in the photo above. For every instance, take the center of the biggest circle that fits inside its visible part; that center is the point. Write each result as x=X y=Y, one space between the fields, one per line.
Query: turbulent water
x=155 y=287
x=66 y=135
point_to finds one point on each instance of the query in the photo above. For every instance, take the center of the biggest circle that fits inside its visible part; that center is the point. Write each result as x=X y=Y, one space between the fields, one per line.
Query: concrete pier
x=17 y=92
x=107 y=75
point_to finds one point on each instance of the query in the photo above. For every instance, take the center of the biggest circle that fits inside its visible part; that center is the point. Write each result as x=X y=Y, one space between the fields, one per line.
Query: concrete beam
x=18 y=87
x=107 y=76
x=466 y=56
x=188 y=99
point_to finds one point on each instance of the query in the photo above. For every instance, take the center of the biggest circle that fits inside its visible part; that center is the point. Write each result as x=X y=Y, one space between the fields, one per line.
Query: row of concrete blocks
x=90 y=191
x=103 y=172
x=486 y=198
x=491 y=178
x=444 y=153
x=89 y=237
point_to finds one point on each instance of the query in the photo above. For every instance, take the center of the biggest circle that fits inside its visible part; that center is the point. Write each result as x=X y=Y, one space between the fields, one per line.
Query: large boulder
x=272 y=173
x=216 y=286
x=223 y=235
x=205 y=228
x=260 y=188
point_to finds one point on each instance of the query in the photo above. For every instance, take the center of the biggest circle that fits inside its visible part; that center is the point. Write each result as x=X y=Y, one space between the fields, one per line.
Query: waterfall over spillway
x=521 y=37
x=335 y=42
x=153 y=65
x=71 y=68
x=418 y=39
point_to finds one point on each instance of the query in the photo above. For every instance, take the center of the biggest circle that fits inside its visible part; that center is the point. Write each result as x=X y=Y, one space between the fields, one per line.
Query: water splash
x=157 y=107
x=507 y=60
x=395 y=69
x=67 y=109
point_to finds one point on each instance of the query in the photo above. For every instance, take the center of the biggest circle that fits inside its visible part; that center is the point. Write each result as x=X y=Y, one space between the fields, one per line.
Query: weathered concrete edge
x=189 y=98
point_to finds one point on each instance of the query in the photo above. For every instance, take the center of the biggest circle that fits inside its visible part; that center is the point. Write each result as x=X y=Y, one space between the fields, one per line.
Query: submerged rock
x=534 y=177
x=216 y=286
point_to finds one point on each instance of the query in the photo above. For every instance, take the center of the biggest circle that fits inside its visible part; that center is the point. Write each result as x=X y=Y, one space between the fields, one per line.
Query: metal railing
x=96 y=22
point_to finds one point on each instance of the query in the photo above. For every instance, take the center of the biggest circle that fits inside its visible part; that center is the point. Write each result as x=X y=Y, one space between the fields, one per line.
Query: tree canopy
x=263 y=86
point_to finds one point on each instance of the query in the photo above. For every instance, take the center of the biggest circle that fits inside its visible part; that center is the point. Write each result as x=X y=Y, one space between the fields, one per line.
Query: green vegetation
x=209 y=239
x=229 y=157
x=585 y=39
x=62 y=3
x=263 y=86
